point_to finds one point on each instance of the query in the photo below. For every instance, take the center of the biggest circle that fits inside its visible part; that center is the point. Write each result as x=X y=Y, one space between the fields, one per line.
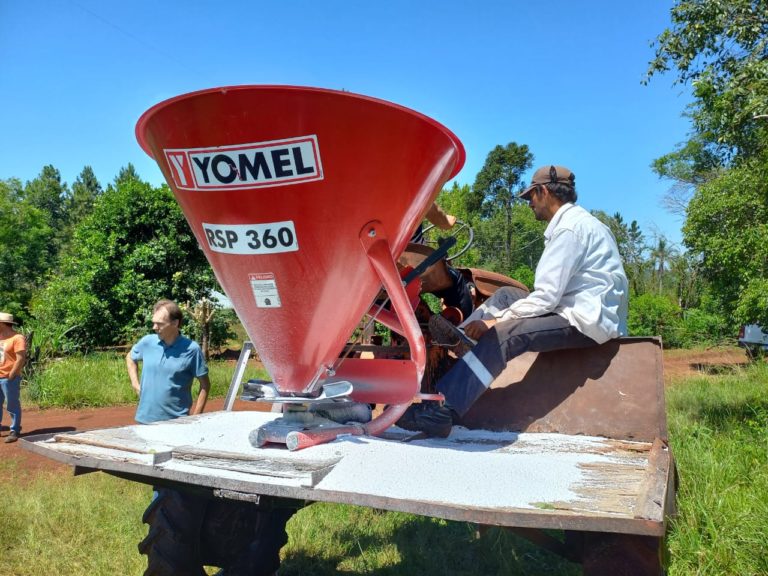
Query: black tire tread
x=187 y=532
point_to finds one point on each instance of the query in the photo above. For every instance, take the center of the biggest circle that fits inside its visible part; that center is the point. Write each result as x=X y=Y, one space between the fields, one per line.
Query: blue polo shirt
x=167 y=374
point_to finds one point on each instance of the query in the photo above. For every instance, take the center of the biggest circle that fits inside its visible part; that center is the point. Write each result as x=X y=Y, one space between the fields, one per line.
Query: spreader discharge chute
x=302 y=200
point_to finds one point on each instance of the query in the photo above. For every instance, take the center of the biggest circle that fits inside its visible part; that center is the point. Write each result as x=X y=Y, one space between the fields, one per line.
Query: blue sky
x=562 y=76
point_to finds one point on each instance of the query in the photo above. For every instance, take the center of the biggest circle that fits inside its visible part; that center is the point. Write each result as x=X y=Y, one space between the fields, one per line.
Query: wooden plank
x=116 y=438
x=309 y=472
x=652 y=495
x=611 y=489
x=109 y=455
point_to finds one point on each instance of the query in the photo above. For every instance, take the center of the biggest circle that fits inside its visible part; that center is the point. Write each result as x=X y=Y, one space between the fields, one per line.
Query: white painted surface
x=478 y=469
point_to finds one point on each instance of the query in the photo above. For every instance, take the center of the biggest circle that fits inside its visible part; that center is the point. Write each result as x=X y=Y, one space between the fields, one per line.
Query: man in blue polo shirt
x=170 y=364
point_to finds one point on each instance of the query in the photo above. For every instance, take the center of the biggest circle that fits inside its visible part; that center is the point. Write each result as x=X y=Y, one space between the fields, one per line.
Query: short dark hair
x=563 y=192
x=174 y=312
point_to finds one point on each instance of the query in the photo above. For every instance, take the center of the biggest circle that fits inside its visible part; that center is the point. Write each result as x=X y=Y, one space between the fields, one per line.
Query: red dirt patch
x=682 y=363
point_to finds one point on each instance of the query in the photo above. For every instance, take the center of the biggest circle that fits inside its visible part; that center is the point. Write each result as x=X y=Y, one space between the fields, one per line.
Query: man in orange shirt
x=13 y=356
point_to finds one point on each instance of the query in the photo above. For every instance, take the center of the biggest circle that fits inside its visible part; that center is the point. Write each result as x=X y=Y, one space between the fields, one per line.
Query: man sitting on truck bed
x=579 y=300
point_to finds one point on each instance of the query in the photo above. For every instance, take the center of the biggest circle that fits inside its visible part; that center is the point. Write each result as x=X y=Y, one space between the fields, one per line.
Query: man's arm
x=441 y=219
x=559 y=262
x=21 y=359
x=133 y=372
x=202 y=396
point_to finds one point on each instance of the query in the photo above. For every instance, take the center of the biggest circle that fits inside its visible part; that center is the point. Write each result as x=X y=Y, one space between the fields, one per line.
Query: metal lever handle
x=438 y=254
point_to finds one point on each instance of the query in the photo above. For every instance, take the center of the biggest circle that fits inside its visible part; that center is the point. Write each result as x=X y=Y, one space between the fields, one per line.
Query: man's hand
x=479 y=327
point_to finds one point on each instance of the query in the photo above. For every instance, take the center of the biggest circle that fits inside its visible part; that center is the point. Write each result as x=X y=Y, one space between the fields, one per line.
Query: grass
x=56 y=524
x=101 y=379
x=328 y=539
x=72 y=526
x=91 y=525
x=719 y=436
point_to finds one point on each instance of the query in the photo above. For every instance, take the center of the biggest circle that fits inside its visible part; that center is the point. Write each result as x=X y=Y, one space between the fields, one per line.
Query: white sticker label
x=258 y=164
x=270 y=238
x=265 y=290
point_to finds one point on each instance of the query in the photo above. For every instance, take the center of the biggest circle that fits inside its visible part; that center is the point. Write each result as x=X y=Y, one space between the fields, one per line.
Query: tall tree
x=631 y=244
x=720 y=48
x=661 y=254
x=126 y=174
x=726 y=226
x=133 y=249
x=85 y=190
x=686 y=271
x=24 y=237
x=497 y=185
x=51 y=196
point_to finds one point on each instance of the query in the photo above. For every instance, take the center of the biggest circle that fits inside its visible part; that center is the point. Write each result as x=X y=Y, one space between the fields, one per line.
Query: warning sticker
x=265 y=290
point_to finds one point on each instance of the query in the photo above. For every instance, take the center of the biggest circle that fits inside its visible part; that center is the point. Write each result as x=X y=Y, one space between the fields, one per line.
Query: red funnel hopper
x=302 y=200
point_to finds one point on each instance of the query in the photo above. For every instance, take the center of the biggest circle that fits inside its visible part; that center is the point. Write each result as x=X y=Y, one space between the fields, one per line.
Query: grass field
x=101 y=380
x=719 y=436
x=56 y=524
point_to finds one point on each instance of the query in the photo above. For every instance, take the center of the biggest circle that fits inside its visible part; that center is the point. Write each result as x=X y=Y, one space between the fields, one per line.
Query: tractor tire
x=172 y=543
x=188 y=531
x=244 y=539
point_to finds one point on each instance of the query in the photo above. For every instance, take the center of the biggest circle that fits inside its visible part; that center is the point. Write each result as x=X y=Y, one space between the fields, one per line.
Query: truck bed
x=527 y=479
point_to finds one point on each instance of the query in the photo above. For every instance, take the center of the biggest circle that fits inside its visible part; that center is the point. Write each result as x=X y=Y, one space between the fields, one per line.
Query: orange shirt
x=9 y=352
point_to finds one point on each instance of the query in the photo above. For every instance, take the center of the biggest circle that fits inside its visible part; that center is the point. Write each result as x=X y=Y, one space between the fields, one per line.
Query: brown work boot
x=450 y=336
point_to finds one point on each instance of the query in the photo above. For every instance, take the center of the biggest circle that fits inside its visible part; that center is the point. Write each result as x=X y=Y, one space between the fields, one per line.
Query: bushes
x=655 y=315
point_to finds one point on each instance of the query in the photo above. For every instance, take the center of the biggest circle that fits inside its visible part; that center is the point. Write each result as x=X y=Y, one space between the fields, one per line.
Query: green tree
x=660 y=257
x=50 y=195
x=654 y=315
x=727 y=225
x=504 y=253
x=24 y=237
x=85 y=190
x=496 y=188
x=456 y=200
x=133 y=249
x=684 y=268
x=126 y=174
x=692 y=165
x=720 y=48
x=631 y=244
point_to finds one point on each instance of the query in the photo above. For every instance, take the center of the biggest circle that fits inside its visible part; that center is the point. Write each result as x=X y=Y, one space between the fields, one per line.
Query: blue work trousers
x=9 y=395
x=463 y=384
